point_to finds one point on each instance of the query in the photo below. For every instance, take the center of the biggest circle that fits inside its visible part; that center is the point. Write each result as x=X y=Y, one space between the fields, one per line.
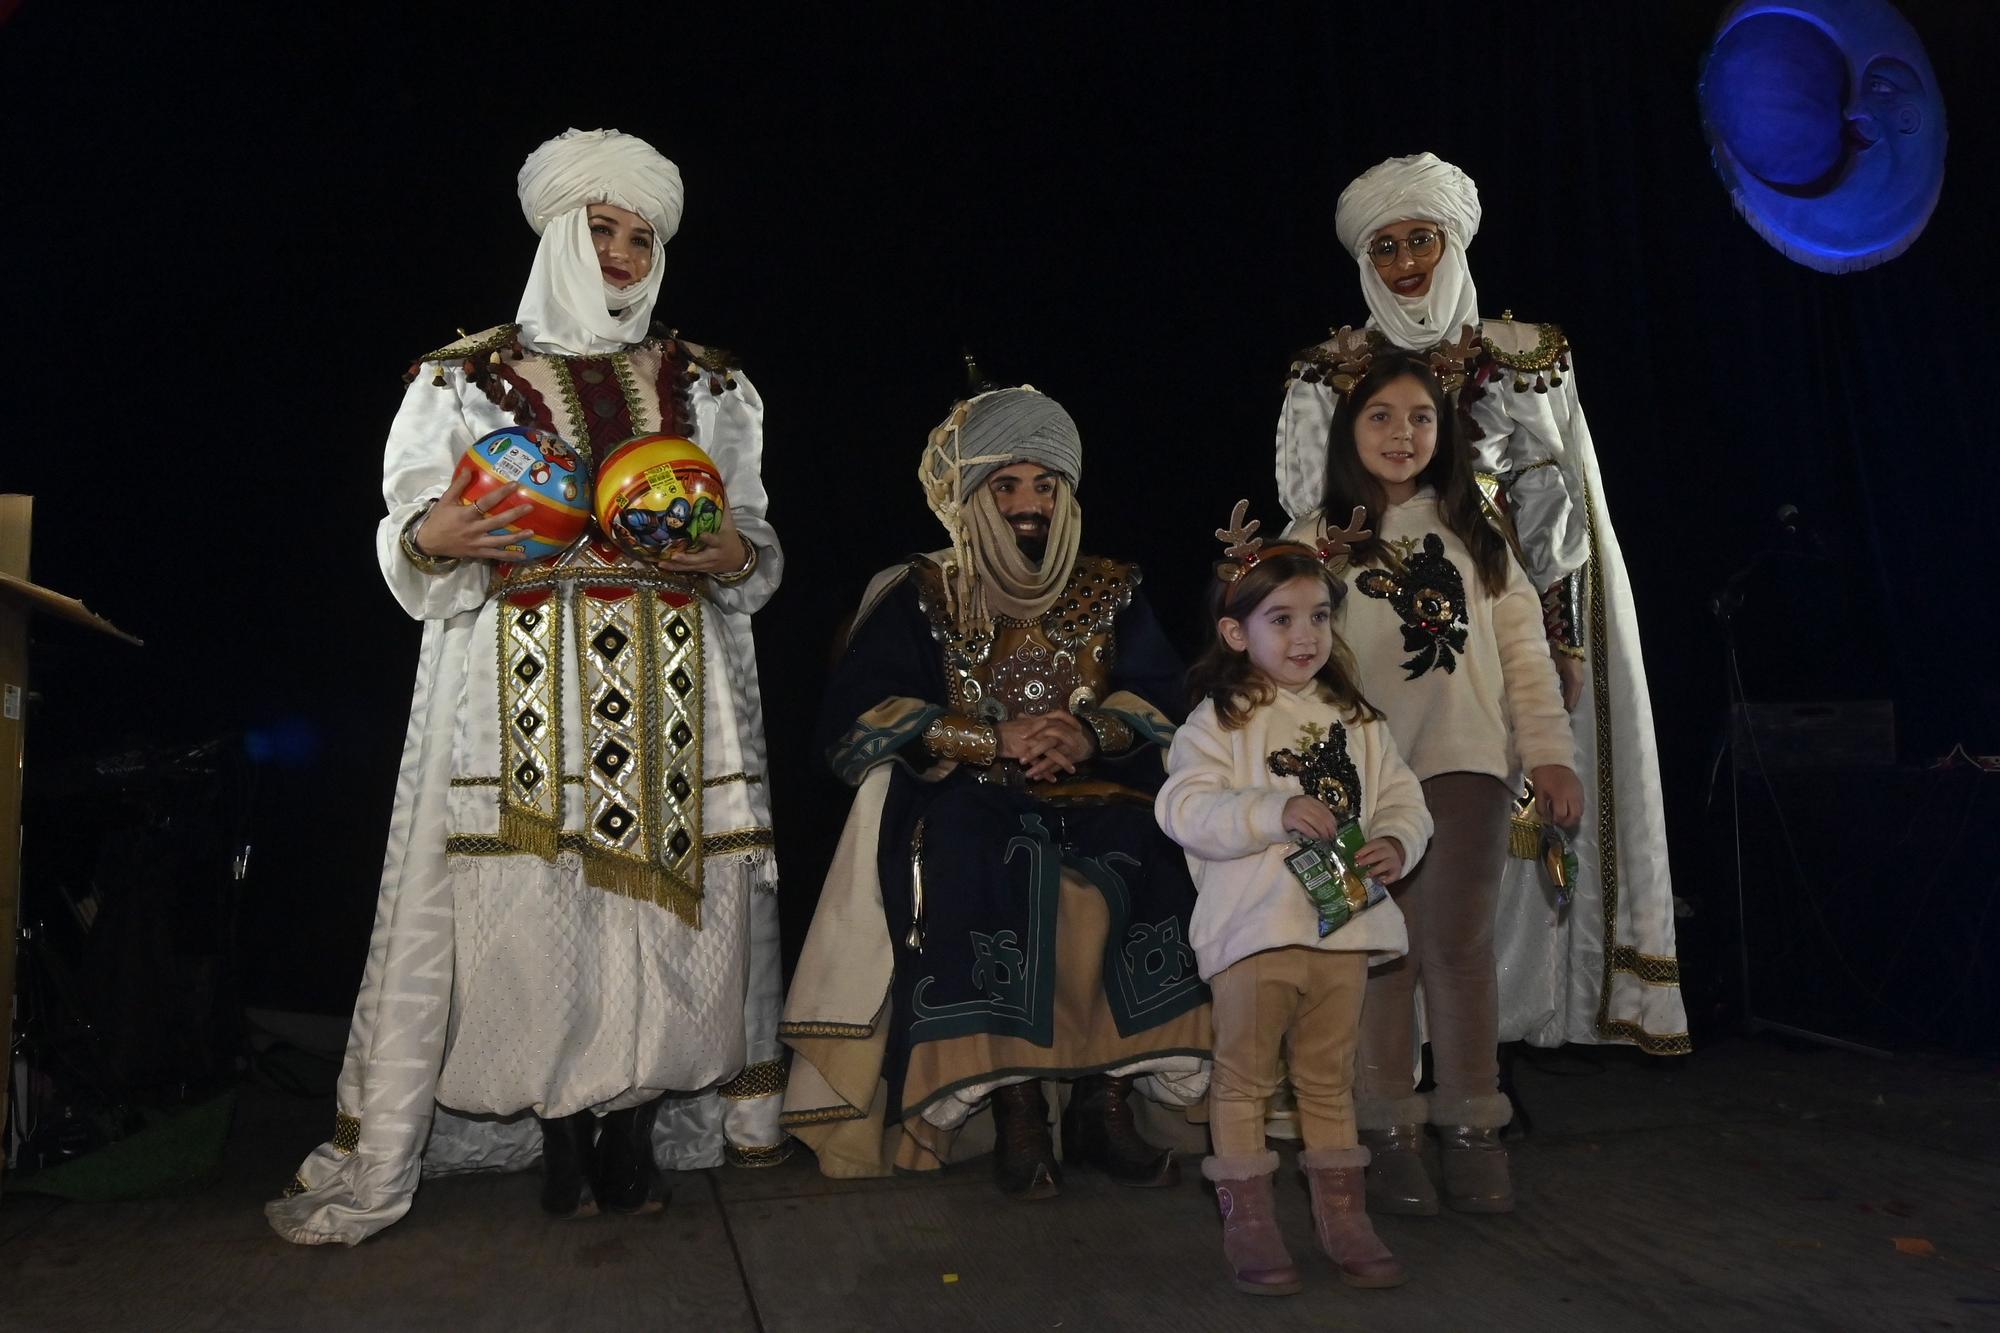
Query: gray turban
x=1016 y=426
x=987 y=574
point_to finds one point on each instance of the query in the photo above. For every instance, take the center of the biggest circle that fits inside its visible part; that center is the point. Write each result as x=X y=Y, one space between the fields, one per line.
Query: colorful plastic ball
x=534 y=467
x=658 y=494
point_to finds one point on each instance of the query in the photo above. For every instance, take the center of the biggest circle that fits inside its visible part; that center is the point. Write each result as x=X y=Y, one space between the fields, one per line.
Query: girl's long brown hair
x=1229 y=678
x=1449 y=472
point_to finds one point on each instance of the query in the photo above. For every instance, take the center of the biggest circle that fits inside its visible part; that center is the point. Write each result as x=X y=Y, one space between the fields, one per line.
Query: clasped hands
x=1309 y=817
x=1046 y=745
x=456 y=530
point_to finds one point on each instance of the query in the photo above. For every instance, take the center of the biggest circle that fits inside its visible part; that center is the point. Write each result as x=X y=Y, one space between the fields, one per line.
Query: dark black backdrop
x=226 y=234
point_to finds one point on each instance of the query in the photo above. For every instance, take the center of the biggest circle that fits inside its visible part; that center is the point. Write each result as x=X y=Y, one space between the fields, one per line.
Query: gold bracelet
x=429 y=564
x=966 y=739
x=1114 y=733
x=749 y=564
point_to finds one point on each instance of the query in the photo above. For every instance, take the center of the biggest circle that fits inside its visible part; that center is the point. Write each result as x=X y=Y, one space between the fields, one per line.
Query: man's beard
x=1034 y=545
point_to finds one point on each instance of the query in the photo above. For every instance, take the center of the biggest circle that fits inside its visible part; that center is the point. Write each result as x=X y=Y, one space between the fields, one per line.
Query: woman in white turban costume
x=575 y=953
x=1593 y=961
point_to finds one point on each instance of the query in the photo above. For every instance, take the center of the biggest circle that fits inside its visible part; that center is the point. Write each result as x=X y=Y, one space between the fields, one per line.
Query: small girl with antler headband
x=1283 y=747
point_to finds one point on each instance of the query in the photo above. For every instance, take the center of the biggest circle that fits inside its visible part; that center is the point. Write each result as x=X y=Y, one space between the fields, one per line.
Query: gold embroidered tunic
x=576 y=908
x=1027 y=668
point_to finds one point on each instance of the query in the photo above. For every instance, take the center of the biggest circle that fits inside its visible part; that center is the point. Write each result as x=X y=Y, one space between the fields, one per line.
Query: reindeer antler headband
x=1245 y=549
x=1342 y=360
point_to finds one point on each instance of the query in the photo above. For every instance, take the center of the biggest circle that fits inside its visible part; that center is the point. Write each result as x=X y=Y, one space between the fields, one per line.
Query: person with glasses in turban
x=1601 y=968
x=576 y=916
x=1003 y=911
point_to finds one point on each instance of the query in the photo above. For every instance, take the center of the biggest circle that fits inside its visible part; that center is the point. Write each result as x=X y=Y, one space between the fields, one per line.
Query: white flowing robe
x=1605 y=970
x=501 y=985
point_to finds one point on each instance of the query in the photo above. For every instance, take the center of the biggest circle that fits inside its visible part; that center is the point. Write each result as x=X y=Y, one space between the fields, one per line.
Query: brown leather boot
x=1024 y=1156
x=1477 y=1178
x=1393 y=1133
x=1250 y=1239
x=1098 y=1129
x=1341 y=1221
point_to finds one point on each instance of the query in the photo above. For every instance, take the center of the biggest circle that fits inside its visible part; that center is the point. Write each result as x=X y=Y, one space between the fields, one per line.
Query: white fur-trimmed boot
x=1340 y=1219
x=1476 y=1174
x=1250 y=1239
x=1393 y=1133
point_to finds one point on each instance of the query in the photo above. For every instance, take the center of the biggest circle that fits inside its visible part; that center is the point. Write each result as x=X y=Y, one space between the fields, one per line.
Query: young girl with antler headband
x=1448 y=638
x=1283 y=747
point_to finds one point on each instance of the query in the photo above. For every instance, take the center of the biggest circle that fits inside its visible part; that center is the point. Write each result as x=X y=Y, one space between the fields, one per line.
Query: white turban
x=1404 y=189
x=568 y=307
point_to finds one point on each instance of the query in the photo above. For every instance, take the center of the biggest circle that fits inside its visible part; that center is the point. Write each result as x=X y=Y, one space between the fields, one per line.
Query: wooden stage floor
x=1750 y=1186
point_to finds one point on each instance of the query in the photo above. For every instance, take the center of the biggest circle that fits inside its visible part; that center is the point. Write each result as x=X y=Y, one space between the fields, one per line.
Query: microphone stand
x=1727 y=601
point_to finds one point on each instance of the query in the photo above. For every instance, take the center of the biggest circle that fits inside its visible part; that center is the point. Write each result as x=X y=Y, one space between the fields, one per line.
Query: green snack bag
x=1326 y=871
x=1323 y=876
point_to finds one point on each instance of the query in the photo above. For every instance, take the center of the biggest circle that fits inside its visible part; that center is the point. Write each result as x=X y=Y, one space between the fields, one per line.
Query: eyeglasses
x=1421 y=243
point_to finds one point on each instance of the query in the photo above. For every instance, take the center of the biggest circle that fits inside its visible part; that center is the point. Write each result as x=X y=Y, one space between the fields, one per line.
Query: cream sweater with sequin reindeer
x=1225 y=806
x=1463 y=677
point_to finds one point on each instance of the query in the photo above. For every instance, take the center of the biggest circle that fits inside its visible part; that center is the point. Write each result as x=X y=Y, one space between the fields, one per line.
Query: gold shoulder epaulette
x=1344 y=354
x=472 y=350
x=1520 y=345
x=1526 y=349
x=714 y=359
x=500 y=337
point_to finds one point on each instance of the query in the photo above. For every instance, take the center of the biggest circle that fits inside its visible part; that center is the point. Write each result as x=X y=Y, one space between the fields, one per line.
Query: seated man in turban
x=1002 y=908
x=1604 y=970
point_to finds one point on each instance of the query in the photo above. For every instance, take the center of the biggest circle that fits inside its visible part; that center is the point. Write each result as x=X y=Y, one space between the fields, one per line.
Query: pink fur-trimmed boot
x=1250 y=1240
x=1341 y=1220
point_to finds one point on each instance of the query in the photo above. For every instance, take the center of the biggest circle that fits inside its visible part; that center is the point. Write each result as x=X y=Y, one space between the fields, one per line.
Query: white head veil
x=568 y=307
x=1400 y=190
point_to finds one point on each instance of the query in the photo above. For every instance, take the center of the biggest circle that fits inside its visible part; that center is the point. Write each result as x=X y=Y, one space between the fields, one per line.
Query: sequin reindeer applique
x=1324 y=769
x=1428 y=592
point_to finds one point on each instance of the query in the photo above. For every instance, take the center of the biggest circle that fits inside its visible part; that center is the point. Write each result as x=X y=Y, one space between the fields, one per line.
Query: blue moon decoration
x=1826 y=124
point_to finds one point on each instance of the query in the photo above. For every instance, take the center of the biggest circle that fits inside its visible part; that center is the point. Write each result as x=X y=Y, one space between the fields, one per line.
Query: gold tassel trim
x=1524 y=838
x=522 y=833
x=644 y=882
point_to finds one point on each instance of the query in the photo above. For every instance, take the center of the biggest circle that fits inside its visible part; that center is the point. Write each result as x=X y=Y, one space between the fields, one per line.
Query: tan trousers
x=1305 y=1002
x=1448 y=905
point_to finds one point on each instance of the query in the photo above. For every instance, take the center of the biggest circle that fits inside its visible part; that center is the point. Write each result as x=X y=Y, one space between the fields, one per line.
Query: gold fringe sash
x=641 y=699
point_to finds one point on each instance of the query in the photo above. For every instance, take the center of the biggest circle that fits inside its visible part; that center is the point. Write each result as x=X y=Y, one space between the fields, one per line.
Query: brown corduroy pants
x=1448 y=904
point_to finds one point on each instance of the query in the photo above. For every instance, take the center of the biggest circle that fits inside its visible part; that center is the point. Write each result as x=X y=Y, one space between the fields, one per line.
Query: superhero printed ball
x=657 y=494
x=534 y=467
